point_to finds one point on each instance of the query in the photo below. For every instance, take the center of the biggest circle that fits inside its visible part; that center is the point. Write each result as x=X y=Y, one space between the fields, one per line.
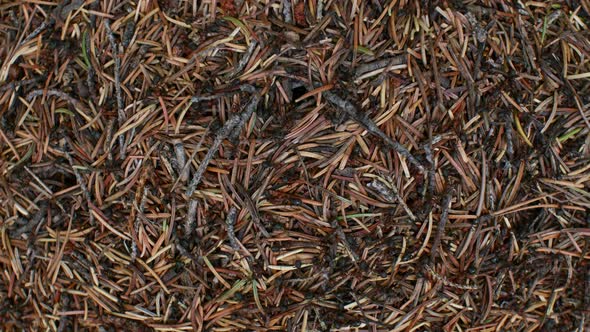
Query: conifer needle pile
x=294 y=165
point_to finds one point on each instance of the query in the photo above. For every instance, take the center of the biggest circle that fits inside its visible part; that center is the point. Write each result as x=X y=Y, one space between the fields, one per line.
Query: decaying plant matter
x=295 y=165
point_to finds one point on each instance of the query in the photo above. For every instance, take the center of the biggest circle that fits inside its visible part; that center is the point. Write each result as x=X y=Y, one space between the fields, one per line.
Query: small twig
x=109 y=139
x=431 y=171
x=251 y=207
x=198 y=99
x=508 y=131
x=16 y=84
x=439 y=92
x=185 y=167
x=136 y=222
x=93 y=6
x=32 y=222
x=441 y=224
x=371 y=127
x=230 y=221
x=168 y=162
x=391 y=195
x=90 y=73
x=55 y=93
x=379 y=64
x=191 y=217
x=184 y=252
x=345 y=243
x=578 y=101
x=234 y=123
x=128 y=34
x=67 y=9
x=287 y=12
x=244 y=60
x=120 y=107
x=445 y=281
x=180 y=154
x=319 y=10
x=64 y=320
x=79 y=177
x=466 y=75
x=217 y=94
x=80 y=181
x=37 y=31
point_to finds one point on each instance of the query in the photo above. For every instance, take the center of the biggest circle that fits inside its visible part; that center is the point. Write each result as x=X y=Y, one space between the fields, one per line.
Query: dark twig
x=230 y=221
x=441 y=224
x=44 y=25
x=55 y=93
x=185 y=167
x=198 y=99
x=234 y=123
x=287 y=12
x=445 y=281
x=121 y=117
x=345 y=243
x=437 y=84
x=137 y=222
x=579 y=104
x=508 y=131
x=371 y=127
x=180 y=154
x=128 y=34
x=251 y=207
x=80 y=180
x=431 y=170
x=90 y=73
x=17 y=84
x=67 y=9
x=32 y=222
x=245 y=58
x=64 y=320
x=379 y=64
x=391 y=195
x=109 y=137
x=191 y=217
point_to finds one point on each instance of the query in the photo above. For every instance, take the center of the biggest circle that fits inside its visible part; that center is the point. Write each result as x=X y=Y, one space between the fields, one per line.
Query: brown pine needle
x=370 y=165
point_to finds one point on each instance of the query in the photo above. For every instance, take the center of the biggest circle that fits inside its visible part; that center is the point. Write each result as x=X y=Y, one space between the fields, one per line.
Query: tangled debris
x=295 y=165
